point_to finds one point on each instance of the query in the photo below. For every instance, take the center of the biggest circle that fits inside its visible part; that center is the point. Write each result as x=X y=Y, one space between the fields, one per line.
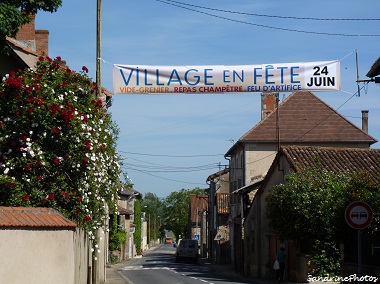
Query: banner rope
x=347 y=55
x=104 y=61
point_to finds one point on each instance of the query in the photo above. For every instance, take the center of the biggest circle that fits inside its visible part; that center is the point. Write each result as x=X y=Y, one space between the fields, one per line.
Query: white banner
x=285 y=77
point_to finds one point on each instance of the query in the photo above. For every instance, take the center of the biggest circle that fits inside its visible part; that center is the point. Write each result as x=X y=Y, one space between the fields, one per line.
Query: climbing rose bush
x=57 y=144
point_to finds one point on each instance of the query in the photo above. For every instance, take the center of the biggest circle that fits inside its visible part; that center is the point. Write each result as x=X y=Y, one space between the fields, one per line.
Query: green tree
x=153 y=207
x=312 y=203
x=57 y=144
x=137 y=221
x=176 y=210
x=15 y=13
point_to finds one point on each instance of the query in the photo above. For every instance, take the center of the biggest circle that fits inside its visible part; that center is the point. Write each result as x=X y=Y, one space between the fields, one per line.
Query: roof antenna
x=357 y=72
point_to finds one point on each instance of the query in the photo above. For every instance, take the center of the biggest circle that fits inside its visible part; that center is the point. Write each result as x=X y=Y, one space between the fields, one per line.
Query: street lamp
x=159 y=228
x=149 y=233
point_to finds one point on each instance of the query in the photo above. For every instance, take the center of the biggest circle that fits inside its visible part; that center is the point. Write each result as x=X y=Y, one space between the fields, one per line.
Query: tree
x=138 y=224
x=57 y=144
x=312 y=203
x=153 y=207
x=176 y=210
x=15 y=13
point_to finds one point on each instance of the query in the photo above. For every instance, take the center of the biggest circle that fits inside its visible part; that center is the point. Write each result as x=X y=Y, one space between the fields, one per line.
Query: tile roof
x=335 y=159
x=218 y=174
x=33 y=217
x=124 y=211
x=304 y=118
x=375 y=69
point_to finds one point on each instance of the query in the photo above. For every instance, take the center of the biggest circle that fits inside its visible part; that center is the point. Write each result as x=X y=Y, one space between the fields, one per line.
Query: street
x=158 y=266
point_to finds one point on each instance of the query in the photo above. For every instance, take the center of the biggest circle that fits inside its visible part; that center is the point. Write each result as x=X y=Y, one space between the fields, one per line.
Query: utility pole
x=95 y=263
x=149 y=232
x=99 y=47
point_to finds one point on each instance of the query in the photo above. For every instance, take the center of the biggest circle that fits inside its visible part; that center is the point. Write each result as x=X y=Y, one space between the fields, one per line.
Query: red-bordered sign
x=358 y=215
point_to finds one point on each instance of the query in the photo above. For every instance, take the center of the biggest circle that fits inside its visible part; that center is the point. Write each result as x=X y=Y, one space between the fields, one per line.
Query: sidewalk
x=113 y=276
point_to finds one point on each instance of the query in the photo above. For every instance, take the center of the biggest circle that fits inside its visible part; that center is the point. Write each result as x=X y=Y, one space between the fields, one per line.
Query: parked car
x=168 y=240
x=187 y=249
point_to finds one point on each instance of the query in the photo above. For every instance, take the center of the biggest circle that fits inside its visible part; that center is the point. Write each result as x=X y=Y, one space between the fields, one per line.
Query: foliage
x=117 y=236
x=309 y=208
x=326 y=260
x=176 y=210
x=15 y=13
x=114 y=258
x=137 y=221
x=153 y=207
x=57 y=144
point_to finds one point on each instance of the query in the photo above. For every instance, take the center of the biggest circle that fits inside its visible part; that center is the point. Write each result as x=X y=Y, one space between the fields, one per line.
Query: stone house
x=125 y=220
x=259 y=238
x=218 y=240
x=301 y=119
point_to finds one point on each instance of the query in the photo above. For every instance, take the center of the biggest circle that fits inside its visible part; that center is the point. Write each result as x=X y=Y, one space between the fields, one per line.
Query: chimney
x=365 y=121
x=27 y=31
x=268 y=103
x=42 y=42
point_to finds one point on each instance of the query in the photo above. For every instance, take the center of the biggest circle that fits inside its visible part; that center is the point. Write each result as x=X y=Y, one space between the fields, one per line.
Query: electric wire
x=170 y=156
x=168 y=179
x=274 y=16
x=211 y=116
x=324 y=119
x=268 y=27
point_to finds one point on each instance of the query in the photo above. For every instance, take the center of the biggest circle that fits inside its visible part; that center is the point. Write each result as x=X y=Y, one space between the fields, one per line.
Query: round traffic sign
x=358 y=215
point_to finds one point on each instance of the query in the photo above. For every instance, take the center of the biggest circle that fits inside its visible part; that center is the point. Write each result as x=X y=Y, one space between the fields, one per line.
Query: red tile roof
x=304 y=118
x=335 y=159
x=33 y=217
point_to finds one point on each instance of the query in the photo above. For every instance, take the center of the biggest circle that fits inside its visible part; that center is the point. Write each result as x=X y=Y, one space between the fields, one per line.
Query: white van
x=187 y=249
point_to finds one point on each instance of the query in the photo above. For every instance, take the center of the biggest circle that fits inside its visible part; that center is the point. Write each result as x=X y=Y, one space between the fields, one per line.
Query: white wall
x=31 y=256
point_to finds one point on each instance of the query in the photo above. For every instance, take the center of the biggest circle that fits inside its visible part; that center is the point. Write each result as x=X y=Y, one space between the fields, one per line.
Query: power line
x=353 y=95
x=269 y=27
x=174 y=180
x=171 y=156
x=274 y=16
x=201 y=119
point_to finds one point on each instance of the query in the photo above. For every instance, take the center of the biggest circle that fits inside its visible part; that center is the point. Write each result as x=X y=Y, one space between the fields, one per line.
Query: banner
x=285 y=77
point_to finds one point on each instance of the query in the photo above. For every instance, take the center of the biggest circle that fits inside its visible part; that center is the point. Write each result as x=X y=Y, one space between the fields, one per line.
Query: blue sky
x=172 y=142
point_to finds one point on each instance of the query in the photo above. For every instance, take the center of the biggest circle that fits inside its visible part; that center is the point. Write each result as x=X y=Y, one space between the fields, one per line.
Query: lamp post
x=159 y=228
x=149 y=232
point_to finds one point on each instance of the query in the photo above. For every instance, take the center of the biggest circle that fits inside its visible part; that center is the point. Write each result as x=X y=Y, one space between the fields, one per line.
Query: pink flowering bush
x=57 y=144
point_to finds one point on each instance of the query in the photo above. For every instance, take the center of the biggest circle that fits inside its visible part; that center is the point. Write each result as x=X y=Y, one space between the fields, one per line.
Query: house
x=61 y=247
x=259 y=237
x=25 y=49
x=125 y=219
x=217 y=217
x=301 y=119
x=197 y=219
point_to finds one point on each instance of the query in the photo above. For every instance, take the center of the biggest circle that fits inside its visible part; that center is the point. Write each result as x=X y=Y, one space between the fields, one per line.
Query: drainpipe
x=365 y=121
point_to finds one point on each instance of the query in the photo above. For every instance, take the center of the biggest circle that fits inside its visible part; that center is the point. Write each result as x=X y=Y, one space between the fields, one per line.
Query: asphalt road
x=159 y=267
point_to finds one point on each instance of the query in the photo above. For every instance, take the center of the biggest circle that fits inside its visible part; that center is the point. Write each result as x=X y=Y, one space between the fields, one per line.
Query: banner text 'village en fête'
x=285 y=77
